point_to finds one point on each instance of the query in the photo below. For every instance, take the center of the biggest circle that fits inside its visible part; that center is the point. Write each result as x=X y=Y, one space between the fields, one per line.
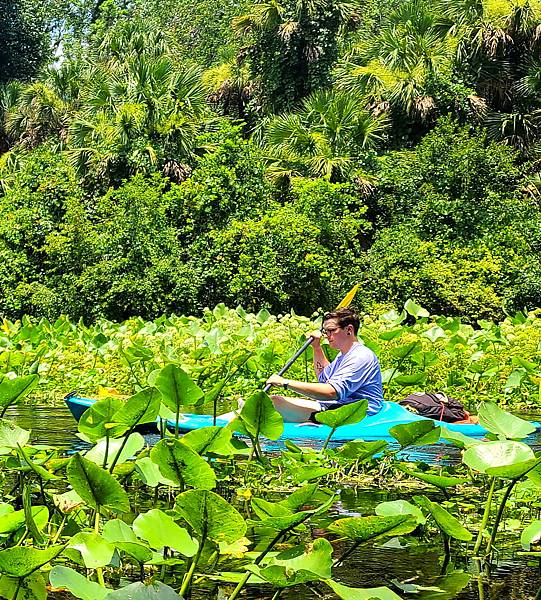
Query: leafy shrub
x=457 y=281
x=454 y=185
x=276 y=261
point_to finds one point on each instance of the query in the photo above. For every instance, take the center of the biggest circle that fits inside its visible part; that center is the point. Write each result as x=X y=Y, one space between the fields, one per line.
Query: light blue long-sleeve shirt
x=355 y=375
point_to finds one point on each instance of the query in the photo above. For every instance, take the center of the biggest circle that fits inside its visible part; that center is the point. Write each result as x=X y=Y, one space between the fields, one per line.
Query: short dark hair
x=345 y=317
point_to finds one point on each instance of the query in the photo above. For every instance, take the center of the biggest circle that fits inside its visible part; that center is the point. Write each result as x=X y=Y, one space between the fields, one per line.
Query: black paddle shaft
x=291 y=360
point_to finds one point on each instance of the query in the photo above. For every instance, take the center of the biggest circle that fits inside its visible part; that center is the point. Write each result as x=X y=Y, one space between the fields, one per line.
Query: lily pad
x=177 y=388
x=345 y=415
x=362 y=529
x=182 y=465
x=298 y=565
x=502 y=423
x=259 y=417
x=20 y=561
x=416 y=433
x=12 y=436
x=210 y=515
x=439 y=481
x=94 y=549
x=159 y=530
x=506 y=459
x=141 y=591
x=95 y=485
x=77 y=584
x=210 y=440
x=531 y=535
x=400 y=507
x=360 y=450
x=97 y=453
x=448 y=523
x=350 y=593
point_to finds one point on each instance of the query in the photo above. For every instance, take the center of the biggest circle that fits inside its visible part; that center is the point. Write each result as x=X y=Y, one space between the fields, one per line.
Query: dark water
x=511 y=577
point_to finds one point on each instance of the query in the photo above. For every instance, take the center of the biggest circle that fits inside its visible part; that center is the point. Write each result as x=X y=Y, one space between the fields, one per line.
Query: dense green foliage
x=206 y=510
x=272 y=154
x=23 y=43
x=494 y=362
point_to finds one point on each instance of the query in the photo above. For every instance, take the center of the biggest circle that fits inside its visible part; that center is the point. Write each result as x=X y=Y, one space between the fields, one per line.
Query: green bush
x=456 y=281
x=276 y=261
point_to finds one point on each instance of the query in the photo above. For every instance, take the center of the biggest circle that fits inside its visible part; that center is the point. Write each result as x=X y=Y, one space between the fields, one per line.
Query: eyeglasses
x=330 y=331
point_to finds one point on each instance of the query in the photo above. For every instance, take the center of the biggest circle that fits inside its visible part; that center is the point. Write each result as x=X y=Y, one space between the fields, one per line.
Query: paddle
x=346 y=301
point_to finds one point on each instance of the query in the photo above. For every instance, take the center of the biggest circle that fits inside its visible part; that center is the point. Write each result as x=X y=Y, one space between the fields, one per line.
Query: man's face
x=336 y=335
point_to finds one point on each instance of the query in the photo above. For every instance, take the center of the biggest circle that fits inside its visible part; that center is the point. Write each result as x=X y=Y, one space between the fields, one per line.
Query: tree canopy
x=163 y=156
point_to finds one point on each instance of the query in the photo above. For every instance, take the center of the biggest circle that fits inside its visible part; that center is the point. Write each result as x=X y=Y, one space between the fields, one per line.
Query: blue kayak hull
x=375 y=427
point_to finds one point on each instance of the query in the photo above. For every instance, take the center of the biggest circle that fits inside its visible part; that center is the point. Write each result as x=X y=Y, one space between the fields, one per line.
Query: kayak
x=374 y=427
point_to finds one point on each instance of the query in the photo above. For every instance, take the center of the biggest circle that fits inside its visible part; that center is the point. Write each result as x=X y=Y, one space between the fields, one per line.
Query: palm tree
x=397 y=68
x=328 y=137
x=127 y=108
x=292 y=47
x=499 y=52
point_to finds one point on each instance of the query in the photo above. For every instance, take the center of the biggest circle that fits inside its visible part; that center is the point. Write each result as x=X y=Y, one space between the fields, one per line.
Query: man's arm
x=320 y=360
x=316 y=391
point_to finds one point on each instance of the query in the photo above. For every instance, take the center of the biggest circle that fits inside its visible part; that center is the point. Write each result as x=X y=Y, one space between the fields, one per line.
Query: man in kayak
x=353 y=375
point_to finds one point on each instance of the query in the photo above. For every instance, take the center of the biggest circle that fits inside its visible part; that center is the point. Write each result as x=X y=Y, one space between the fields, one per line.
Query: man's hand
x=276 y=380
x=317 y=337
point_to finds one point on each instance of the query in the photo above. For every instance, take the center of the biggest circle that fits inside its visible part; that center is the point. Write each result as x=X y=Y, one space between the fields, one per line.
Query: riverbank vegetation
x=161 y=157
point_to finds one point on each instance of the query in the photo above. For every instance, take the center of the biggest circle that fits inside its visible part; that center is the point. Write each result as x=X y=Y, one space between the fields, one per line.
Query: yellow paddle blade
x=348 y=298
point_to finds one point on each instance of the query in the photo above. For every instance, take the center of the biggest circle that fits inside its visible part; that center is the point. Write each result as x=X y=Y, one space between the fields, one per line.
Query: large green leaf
x=150 y=473
x=448 y=586
x=306 y=495
x=14 y=390
x=405 y=350
x=400 y=507
x=345 y=415
x=281 y=522
x=297 y=566
x=349 y=593
x=415 y=310
x=95 y=485
x=506 y=459
x=12 y=436
x=96 y=422
x=13 y=520
x=133 y=445
x=124 y=539
x=31 y=587
x=459 y=439
x=182 y=465
x=440 y=481
x=264 y=509
x=416 y=433
x=77 y=584
x=531 y=535
x=142 y=591
x=159 y=530
x=259 y=417
x=361 y=529
x=20 y=561
x=410 y=379
x=141 y=408
x=210 y=515
x=502 y=423
x=445 y=520
x=94 y=549
x=210 y=440
x=360 y=450
x=177 y=388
